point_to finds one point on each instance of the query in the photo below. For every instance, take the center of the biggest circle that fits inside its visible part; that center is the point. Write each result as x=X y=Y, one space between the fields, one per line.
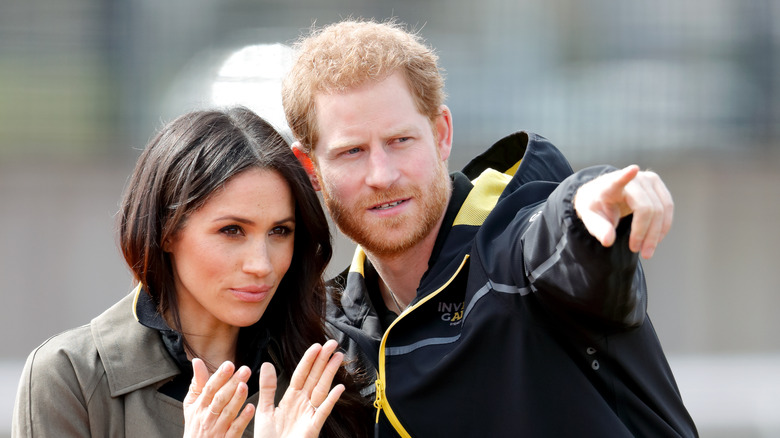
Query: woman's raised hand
x=308 y=400
x=212 y=404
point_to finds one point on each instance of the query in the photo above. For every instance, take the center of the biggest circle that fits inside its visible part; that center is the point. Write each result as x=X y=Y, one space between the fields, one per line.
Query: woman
x=227 y=242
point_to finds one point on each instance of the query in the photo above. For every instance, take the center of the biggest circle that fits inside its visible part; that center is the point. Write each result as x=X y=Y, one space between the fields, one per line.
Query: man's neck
x=400 y=273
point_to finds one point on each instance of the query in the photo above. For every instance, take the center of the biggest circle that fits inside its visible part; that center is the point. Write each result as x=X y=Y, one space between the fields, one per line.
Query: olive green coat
x=100 y=380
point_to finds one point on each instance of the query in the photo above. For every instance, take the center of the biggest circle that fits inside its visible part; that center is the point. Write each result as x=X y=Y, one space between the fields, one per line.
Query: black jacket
x=523 y=325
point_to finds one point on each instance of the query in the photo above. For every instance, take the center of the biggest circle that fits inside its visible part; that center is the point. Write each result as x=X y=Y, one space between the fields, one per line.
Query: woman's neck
x=213 y=343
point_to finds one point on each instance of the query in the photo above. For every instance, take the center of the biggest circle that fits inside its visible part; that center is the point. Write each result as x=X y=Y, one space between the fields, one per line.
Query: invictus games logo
x=451 y=312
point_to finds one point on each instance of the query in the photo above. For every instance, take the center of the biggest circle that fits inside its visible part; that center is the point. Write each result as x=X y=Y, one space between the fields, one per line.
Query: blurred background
x=689 y=89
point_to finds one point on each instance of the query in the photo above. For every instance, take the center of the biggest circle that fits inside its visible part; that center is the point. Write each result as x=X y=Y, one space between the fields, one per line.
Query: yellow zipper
x=380 y=403
x=379 y=395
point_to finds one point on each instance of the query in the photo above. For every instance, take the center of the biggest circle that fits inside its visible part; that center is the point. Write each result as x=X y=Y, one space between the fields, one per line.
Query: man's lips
x=388 y=205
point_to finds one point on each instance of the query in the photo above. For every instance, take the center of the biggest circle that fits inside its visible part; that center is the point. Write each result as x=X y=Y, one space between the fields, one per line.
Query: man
x=503 y=300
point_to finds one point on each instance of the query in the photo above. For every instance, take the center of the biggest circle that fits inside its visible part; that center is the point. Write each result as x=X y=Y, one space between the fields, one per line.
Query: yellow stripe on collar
x=136 y=294
x=358 y=261
x=512 y=170
x=483 y=197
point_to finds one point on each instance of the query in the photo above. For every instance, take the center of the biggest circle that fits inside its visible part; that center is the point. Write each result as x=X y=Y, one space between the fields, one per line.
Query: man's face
x=381 y=169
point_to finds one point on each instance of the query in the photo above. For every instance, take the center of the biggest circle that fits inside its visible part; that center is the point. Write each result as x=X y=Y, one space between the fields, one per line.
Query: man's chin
x=382 y=241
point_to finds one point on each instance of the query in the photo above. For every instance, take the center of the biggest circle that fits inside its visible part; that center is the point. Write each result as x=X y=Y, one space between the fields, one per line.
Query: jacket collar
x=515 y=160
x=525 y=155
x=132 y=355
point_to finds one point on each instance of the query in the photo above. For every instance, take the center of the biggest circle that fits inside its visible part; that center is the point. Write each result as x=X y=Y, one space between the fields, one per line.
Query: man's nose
x=382 y=171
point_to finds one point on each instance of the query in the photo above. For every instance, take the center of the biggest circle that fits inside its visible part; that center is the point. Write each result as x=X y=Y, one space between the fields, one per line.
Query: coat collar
x=133 y=355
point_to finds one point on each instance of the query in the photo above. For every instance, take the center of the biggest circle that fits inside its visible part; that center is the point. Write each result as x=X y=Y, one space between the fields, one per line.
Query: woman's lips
x=251 y=294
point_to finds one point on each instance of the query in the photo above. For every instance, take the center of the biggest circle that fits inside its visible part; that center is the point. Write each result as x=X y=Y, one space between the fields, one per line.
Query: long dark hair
x=178 y=171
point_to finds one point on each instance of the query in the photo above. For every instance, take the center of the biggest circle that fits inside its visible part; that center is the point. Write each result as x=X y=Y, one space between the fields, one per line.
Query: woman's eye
x=231 y=230
x=281 y=231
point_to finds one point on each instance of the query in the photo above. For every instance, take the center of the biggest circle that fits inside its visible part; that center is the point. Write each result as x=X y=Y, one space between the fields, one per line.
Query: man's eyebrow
x=345 y=143
x=402 y=131
x=350 y=142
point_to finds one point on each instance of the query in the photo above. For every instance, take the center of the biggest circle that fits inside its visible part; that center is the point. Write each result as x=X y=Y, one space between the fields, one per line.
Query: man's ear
x=307 y=164
x=443 y=128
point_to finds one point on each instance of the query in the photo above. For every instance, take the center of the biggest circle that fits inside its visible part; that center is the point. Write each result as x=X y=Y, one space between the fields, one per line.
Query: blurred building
x=691 y=89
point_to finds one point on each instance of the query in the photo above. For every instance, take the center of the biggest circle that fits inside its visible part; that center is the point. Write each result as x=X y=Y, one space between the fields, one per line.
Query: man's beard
x=432 y=202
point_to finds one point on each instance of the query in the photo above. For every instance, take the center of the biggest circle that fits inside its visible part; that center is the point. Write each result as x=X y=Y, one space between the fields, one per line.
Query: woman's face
x=231 y=254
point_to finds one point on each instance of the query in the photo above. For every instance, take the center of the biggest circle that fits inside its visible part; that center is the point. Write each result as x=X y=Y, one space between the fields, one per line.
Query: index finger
x=216 y=381
x=626 y=174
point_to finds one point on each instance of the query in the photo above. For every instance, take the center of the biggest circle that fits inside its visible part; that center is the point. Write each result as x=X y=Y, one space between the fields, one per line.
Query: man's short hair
x=348 y=54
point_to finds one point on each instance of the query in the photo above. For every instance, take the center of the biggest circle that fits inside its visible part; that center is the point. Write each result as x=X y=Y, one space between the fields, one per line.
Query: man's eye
x=352 y=151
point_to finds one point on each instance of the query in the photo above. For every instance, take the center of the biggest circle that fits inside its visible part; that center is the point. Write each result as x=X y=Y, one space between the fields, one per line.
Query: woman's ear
x=307 y=164
x=166 y=245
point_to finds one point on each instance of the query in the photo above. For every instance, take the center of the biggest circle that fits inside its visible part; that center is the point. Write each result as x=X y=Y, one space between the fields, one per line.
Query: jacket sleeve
x=571 y=272
x=51 y=399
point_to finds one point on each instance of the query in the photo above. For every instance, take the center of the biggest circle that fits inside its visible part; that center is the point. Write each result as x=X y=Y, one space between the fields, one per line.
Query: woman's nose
x=257 y=260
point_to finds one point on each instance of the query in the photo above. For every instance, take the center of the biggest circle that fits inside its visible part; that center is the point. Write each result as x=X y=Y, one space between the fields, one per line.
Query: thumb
x=265 y=403
x=599 y=227
x=200 y=375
